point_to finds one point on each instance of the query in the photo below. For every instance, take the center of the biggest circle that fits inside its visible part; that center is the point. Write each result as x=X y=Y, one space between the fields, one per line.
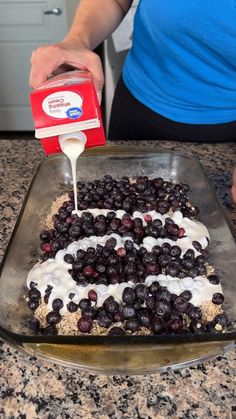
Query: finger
x=86 y=60
x=44 y=61
x=95 y=67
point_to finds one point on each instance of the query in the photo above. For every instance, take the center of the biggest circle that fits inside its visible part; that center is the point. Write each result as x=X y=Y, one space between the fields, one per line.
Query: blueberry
x=157 y=325
x=104 y=319
x=144 y=317
x=141 y=292
x=218 y=298
x=92 y=295
x=33 y=304
x=34 y=294
x=162 y=308
x=150 y=302
x=133 y=325
x=175 y=251
x=89 y=312
x=175 y=325
x=111 y=243
x=137 y=304
x=186 y=294
x=112 y=260
x=173 y=269
x=164 y=260
x=111 y=215
x=57 y=304
x=156 y=250
x=88 y=271
x=163 y=294
x=154 y=287
x=72 y=307
x=85 y=325
x=189 y=254
x=100 y=227
x=87 y=217
x=116 y=331
x=129 y=245
x=149 y=258
x=84 y=303
x=50 y=330
x=166 y=247
x=53 y=317
x=201 y=269
x=34 y=325
x=78 y=265
x=188 y=263
x=221 y=319
x=200 y=260
x=213 y=279
x=108 y=299
x=128 y=295
x=197 y=245
x=118 y=316
x=112 y=307
x=45 y=236
x=80 y=254
x=181 y=304
x=138 y=222
x=128 y=311
x=194 y=313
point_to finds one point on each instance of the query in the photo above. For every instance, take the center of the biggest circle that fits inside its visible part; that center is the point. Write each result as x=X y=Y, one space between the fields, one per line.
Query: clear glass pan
x=109 y=354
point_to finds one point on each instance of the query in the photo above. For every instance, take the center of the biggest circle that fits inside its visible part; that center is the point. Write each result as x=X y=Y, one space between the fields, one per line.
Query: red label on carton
x=65 y=104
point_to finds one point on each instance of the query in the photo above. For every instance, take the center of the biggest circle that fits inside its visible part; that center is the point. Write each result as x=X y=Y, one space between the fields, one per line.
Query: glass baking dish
x=110 y=354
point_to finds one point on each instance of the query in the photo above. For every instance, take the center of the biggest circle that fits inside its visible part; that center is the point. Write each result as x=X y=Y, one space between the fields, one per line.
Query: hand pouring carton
x=67 y=104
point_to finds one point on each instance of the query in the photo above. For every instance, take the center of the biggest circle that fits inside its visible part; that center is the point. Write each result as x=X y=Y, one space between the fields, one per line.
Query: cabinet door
x=24 y=25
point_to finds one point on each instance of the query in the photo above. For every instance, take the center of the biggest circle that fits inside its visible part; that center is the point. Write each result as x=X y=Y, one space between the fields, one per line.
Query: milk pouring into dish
x=63 y=108
x=72 y=146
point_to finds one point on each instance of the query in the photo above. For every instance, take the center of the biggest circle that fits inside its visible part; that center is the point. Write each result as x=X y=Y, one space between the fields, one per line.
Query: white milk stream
x=72 y=146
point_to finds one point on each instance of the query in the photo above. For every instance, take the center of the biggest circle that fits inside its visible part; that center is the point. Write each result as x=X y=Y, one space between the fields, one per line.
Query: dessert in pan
x=132 y=260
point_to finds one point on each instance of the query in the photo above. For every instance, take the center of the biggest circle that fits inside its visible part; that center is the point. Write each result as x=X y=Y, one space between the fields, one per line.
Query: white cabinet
x=24 y=25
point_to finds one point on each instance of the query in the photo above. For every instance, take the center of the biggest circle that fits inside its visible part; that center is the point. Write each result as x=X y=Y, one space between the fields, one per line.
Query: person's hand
x=233 y=189
x=54 y=59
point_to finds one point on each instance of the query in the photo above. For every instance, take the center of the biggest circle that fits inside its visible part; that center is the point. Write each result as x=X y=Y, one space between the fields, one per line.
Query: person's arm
x=233 y=189
x=94 y=21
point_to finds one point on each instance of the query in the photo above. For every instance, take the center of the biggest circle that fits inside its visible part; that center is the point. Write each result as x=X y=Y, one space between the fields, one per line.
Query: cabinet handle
x=55 y=11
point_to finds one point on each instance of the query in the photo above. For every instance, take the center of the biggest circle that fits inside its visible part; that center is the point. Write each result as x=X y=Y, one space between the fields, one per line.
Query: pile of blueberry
x=152 y=307
x=107 y=265
x=144 y=195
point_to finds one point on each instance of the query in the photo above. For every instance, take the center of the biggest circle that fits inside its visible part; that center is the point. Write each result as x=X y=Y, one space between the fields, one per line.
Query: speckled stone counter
x=31 y=388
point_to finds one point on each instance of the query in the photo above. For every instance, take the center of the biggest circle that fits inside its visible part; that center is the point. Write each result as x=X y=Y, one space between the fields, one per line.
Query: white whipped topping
x=55 y=273
x=93 y=241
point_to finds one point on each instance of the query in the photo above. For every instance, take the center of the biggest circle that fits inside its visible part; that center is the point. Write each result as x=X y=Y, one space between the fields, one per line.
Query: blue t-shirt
x=182 y=64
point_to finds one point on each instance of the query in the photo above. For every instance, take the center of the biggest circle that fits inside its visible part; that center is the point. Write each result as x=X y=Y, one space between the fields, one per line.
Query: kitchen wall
x=71 y=6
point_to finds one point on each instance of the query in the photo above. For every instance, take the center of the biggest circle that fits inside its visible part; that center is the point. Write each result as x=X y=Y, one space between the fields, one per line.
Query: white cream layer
x=194 y=230
x=54 y=272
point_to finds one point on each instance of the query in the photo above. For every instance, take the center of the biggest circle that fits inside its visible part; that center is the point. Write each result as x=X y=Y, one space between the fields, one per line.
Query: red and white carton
x=67 y=104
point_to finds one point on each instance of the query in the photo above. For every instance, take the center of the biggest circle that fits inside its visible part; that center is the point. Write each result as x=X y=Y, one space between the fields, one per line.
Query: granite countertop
x=31 y=388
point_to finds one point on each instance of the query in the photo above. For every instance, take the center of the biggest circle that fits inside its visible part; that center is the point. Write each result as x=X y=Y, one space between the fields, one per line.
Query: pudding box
x=66 y=104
